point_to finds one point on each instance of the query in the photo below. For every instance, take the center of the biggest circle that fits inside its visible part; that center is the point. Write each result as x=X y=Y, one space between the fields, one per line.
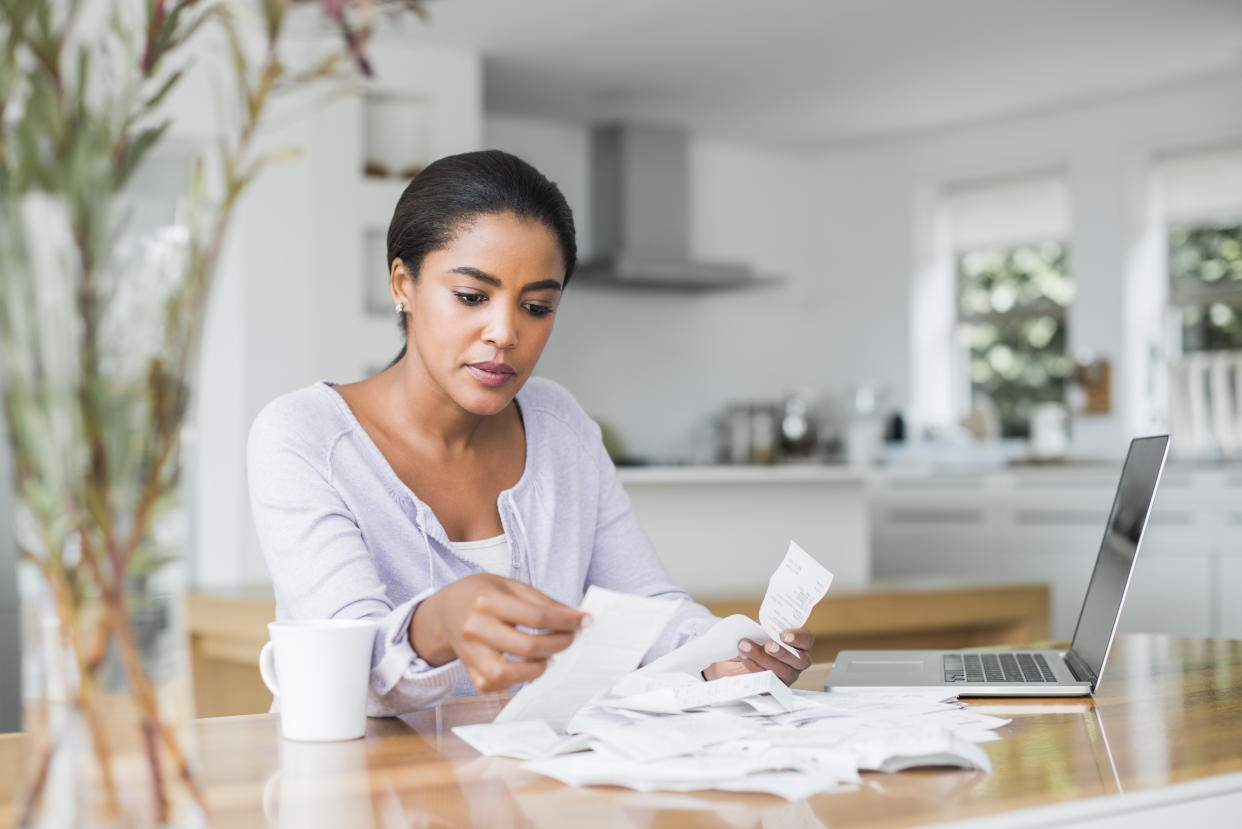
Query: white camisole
x=492 y=554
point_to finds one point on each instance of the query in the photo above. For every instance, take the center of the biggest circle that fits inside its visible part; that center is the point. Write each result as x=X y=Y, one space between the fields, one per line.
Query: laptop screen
x=1102 y=606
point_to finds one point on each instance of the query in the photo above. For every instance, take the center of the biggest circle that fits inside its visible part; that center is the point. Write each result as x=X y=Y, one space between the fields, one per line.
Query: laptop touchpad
x=887 y=667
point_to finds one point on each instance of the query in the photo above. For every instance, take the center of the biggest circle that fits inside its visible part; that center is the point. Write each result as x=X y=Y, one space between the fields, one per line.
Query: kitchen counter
x=743 y=473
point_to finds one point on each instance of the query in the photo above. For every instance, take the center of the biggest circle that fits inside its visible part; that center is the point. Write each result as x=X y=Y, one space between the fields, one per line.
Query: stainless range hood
x=640 y=202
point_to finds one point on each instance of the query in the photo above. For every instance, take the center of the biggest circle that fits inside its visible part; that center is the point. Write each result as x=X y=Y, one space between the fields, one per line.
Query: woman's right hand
x=475 y=619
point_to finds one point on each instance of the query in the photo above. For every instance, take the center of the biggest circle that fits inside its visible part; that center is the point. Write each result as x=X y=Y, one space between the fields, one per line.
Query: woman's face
x=481 y=309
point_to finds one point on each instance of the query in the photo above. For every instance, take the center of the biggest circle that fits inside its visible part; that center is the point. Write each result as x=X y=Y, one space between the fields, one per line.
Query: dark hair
x=451 y=192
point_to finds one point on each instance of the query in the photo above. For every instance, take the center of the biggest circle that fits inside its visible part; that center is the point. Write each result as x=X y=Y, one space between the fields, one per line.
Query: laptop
x=1010 y=673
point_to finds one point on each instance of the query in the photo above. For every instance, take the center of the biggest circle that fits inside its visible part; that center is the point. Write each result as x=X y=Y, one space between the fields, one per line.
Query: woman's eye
x=469 y=298
x=539 y=310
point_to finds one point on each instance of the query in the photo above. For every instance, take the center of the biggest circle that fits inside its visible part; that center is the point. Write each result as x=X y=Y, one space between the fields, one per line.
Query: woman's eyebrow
x=542 y=284
x=484 y=276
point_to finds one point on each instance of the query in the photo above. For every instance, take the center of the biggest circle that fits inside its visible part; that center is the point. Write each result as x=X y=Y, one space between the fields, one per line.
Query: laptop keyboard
x=999 y=667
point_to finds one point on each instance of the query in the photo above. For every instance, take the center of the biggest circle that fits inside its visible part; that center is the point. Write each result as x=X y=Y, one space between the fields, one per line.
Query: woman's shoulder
x=548 y=398
x=306 y=416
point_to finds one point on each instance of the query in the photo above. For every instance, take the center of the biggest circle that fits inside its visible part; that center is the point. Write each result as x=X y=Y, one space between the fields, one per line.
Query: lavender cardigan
x=345 y=538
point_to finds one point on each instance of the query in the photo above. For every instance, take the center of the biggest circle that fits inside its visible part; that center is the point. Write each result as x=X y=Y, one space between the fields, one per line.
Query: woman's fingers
x=491 y=671
x=503 y=637
x=729 y=667
x=772 y=657
x=798 y=638
x=520 y=604
x=490 y=633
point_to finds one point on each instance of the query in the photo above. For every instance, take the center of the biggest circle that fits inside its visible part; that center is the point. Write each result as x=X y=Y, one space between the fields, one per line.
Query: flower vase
x=107 y=702
x=96 y=344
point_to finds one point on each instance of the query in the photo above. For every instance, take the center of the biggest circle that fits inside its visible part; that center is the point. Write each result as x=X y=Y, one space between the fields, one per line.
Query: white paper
x=716 y=645
x=893 y=750
x=637 y=682
x=766 y=705
x=590 y=719
x=703 y=694
x=820 y=744
x=664 y=728
x=775 y=771
x=524 y=740
x=623 y=628
x=659 y=739
x=793 y=590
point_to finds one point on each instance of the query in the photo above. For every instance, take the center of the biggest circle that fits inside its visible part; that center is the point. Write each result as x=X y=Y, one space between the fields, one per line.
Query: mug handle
x=267 y=668
x=271 y=810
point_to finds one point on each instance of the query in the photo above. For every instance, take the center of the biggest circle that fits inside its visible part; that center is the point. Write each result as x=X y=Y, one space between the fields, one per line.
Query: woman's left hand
x=753 y=658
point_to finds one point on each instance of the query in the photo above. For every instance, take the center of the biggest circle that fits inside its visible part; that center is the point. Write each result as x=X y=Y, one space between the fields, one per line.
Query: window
x=1199 y=200
x=1201 y=194
x=1205 y=285
x=1012 y=286
x=1011 y=321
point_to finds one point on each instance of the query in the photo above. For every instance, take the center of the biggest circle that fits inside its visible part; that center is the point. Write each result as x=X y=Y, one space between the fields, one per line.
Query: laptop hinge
x=1079 y=668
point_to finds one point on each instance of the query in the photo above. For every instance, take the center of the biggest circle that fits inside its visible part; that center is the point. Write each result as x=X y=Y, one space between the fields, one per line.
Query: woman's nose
x=501 y=330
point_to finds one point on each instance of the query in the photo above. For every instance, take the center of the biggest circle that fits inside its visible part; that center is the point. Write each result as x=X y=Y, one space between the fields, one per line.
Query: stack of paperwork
x=591 y=720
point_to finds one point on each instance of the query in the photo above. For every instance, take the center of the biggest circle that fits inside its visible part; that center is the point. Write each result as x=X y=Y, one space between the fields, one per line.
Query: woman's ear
x=400 y=283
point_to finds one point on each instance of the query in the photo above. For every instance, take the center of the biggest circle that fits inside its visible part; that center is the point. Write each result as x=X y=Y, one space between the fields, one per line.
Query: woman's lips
x=491 y=374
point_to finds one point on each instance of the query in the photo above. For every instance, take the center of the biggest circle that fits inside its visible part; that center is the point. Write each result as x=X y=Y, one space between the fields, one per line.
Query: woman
x=463 y=505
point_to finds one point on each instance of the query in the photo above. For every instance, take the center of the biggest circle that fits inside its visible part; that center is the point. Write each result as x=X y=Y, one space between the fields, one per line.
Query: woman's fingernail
x=744 y=646
x=788 y=637
x=586 y=622
x=773 y=647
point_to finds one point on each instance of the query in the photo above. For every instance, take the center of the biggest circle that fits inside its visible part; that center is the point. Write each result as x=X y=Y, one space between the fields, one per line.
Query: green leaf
x=167 y=86
x=136 y=149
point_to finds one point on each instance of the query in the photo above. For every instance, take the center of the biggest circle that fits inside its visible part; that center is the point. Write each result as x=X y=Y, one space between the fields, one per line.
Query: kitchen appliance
x=797 y=428
x=640 y=218
x=1049 y=431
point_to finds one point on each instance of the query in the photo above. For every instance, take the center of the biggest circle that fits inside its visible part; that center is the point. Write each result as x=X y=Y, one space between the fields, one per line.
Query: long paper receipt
x=793 y=590
x=624 y=627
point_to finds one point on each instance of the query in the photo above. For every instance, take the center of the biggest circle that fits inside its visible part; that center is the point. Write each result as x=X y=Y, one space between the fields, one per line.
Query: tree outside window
x=1011 y=321
x=1205 y=284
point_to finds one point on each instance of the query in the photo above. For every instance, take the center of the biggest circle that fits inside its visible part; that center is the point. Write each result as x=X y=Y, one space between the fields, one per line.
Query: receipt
x=716 y=645
x=623 y=628
x=793 y=590
x=678 y=698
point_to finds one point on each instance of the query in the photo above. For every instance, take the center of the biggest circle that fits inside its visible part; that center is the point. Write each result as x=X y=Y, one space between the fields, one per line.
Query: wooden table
x=1165 y=732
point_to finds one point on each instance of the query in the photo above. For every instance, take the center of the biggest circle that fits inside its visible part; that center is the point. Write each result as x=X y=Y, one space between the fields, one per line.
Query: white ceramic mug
x=319 y=671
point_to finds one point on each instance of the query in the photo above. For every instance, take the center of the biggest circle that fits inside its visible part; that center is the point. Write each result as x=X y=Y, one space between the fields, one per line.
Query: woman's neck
x=423 y=411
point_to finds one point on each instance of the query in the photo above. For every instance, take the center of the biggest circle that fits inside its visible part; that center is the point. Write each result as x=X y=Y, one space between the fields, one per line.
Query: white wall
x=288 y=305
x=844 y=226
x=655 y=364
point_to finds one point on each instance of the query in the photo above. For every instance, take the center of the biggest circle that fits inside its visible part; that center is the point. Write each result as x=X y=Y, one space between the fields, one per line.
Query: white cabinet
x=1229 y=579
x=932 y=531
x=1172 y=589
x=1045 y=525
x=721 y=531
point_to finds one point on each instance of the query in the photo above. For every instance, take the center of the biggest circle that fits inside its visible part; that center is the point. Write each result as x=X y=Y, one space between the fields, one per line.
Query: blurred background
x=908 y=274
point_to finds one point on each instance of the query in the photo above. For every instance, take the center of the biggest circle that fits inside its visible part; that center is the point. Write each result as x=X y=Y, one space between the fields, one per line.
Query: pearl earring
x=400 y=307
